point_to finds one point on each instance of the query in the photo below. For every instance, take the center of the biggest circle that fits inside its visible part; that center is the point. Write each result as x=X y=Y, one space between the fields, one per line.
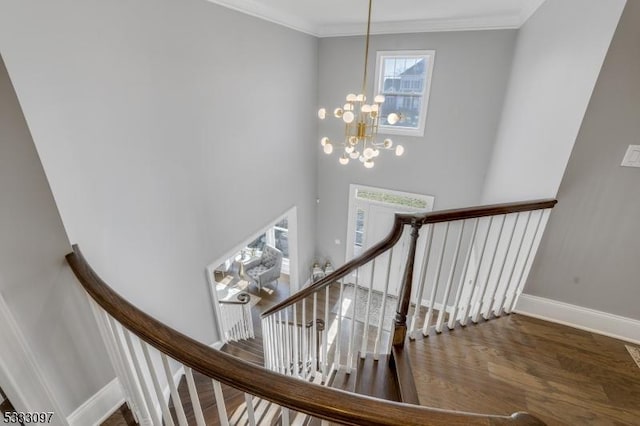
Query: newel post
x=400 y=321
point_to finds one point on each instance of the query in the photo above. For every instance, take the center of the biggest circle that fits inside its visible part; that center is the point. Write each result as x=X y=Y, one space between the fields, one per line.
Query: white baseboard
x=99 y=407
x=217 y=345
x=599 y=322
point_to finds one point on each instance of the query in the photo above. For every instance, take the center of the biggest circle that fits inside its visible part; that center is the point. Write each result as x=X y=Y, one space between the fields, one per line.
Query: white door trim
x=292 y=216
x=28 y=391
x=354 y=203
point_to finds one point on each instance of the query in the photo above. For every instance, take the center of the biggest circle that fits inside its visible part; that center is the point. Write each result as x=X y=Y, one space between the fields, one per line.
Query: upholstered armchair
x=266 y=268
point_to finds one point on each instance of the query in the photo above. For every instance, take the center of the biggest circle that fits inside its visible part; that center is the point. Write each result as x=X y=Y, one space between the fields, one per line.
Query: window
x=404 y=78
x=359 y=233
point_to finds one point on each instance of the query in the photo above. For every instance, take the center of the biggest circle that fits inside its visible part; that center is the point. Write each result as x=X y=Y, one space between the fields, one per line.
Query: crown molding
x=424 y=26
x=262 y=10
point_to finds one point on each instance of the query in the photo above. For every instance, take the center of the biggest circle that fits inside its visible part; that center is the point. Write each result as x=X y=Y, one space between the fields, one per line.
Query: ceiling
x=328 y=18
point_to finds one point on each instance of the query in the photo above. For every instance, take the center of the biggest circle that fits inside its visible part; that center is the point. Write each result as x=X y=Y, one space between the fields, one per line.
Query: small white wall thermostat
x=632 y=157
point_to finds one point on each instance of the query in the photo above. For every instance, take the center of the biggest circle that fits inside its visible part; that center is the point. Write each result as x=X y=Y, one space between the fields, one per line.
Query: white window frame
x=426 y=89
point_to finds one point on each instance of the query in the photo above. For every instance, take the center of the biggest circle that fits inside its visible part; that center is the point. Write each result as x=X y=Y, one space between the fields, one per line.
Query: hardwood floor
x=515 y=363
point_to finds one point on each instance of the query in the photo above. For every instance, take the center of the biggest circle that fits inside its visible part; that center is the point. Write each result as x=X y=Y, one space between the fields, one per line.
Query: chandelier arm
x=366 y=51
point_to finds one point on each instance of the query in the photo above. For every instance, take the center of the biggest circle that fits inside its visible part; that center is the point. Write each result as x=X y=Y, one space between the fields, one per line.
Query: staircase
x=336 y=351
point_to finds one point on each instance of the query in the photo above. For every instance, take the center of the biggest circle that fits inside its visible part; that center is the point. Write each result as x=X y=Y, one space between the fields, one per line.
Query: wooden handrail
x=389 y=241
x=242 y=299
x=318 y=401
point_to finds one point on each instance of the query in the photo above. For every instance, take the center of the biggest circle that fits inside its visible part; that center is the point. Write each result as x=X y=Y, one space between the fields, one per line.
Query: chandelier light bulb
x=348 y=117
x=338 y=112
x=348 y=107
x=366 y=108
x=379 y=99
x=348 y=149
x=361 y=97
x=368 y=152
x=362 y=159
x=393 y=118
x=344 y=160
x=351 y=97
x=353 y=140
x=376 y=152
x=399 y=150
x=375 y=108
x=324 y=141
x=354 y=155
x=328 y=148
x=369 y=164
x=322 y=113
x=388 y=143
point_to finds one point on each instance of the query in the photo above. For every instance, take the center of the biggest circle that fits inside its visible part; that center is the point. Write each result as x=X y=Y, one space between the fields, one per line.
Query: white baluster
x=454 y=315
x=365 y=336
x=166 y=414
x=303 y=328
x=143 y=384
x=314 y=334
x=220 y=404
x=447 y=288
x=528 y=260
x=376 y=350
x=337 y=354
x=195 y=400
x=285 y=417
x=499 y=305
x=288 y=338
x=114 y=355
x=266 y=342
x=354 y=303
x=251 y=415
x=480 y=301
x=434 y=289
x=474 y=293
x=296 y=342
x=325 y=338
x=175 y=397
x=421 y=282
x=281 y=344
x=486 y=312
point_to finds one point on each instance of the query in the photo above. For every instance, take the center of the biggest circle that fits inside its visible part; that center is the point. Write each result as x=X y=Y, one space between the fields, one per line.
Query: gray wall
x=589 y=253
x=450 y=161
x=559 y=53
x=170 y=131
x=35 y=281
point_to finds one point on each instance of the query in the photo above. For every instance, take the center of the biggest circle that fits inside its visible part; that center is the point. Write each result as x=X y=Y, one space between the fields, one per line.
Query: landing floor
x=517 y=363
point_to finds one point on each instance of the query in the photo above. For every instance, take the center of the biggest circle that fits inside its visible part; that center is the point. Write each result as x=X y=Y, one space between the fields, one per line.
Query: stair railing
x=474 y=262
x=237 y=321
x=357 y=299
x=143 y=350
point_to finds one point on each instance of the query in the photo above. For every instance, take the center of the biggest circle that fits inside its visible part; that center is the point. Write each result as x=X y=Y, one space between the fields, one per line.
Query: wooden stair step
x=376 y=378
x=343 y=380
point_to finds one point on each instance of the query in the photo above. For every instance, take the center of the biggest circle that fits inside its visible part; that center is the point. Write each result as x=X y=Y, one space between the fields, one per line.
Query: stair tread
x=342 y=380
x=375 y=378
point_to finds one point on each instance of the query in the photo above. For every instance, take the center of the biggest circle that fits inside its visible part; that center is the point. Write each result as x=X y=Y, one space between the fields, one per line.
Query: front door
x=371 y=216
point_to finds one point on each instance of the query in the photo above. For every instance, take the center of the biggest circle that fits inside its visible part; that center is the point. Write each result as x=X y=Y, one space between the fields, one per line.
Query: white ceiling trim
x=423 y=26
x=529 y=9
x=263 y=11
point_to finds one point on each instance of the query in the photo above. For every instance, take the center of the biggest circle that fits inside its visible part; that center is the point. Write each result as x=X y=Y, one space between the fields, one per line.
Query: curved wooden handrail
x=389 y=241
x=318 y=401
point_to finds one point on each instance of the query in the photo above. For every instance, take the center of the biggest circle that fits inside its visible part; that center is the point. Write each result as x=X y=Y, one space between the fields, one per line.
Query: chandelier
x=361 y=122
